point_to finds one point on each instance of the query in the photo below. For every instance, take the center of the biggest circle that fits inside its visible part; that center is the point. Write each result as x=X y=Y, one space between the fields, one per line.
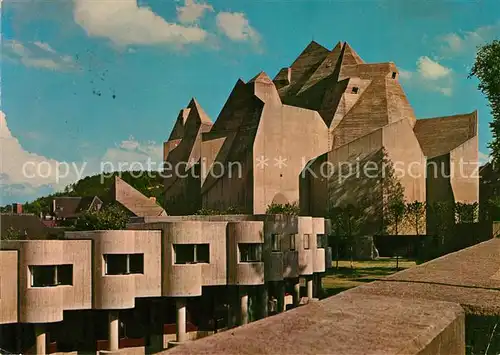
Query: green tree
x=288 y=209
x=111 y=217
x=395 y=212
x=13 y=234
x=466 y=212
x=487 y=69
x=415 y=211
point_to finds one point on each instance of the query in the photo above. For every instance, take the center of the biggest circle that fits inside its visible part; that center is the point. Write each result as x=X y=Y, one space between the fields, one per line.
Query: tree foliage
x=487 y=69
x=415 y=213
x=111 y=217
x=291 y=209
x=149 y=183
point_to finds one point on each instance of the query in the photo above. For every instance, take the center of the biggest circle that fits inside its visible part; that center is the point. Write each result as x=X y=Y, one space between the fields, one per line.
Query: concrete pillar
x=264 y=301
x=243 y=305
x=181 y=320
x=114 y=330
x=19 y=338
x=309 y=286
x=41 y=339
x=318 y=287
x=296 y=293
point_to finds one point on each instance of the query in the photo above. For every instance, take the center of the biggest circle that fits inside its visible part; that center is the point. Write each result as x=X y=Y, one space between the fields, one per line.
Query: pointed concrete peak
x=350 y=52
x=338 y=46
x=262 y=77
x=195 y=106
x=314 y=44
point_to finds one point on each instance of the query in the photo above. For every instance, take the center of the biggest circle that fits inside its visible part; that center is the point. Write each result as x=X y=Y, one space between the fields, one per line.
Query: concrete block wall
x=8 y=293
x=120 y=291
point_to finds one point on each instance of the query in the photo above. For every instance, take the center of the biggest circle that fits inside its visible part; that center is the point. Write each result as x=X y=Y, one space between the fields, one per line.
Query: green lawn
x=345 y=277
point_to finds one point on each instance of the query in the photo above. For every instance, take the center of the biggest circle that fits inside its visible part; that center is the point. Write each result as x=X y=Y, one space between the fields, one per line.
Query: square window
x=320 y=240
x=250 y=252
x=276 y=242
x=64 y=275
x=115 y=264
x=43 y=275
x=184 y=253
x=136 y=263
x=292 y=241
x=203 y=253
x=305 y=240
x=355 y=90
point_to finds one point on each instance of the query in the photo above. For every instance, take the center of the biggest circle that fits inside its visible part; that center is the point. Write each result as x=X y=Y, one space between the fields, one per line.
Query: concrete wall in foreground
x=350 y=323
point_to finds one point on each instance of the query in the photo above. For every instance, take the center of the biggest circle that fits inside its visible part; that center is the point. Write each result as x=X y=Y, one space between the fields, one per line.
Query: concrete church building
x=172 y=276
x=329 y=109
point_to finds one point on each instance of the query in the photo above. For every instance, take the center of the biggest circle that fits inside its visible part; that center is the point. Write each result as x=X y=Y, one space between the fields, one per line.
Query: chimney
x=153 y=199
x=17 y=208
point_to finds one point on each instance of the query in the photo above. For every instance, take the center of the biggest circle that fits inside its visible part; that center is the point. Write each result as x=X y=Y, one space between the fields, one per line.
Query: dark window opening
x=250 y=252
x=124 y=264
x=136 y=263
x=276 y=242
x=321 y=240
x=394 y=74
x=192 y=253
x=202 y=253
x=292 y=241
x=306 y=241
x=355 y=90
x=64 y=274
x=51 y=275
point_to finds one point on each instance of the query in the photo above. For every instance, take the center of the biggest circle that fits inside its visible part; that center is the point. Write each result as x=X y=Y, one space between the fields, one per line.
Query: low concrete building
x=121 y=288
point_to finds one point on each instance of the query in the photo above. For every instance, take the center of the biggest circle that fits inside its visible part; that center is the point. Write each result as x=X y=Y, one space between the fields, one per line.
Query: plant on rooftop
x=111 y=217
x=216 y=212
x=291 y=209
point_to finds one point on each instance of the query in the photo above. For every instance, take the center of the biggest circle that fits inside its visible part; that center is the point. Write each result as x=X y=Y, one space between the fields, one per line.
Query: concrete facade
x=158 y=258
x=45 y=303
x=274 y=138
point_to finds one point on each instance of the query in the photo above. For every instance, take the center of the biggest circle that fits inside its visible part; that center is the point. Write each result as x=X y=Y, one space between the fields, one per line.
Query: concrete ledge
x=349 y=323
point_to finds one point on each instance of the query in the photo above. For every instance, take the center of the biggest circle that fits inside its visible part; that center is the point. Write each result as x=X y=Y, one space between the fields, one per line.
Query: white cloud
x=126 y=23
x=236 y=26
x=430 y=76
x=466 y=42
x=405 y=74
x=484 y=158
x=45 y=46
x=432 y=70
x=131 y=154
x=37 y=55
x=445 y=91
x=19 y=166
x=192 y=11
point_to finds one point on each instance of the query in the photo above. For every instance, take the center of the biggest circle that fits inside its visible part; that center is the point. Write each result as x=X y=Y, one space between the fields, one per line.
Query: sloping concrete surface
x=346 y=324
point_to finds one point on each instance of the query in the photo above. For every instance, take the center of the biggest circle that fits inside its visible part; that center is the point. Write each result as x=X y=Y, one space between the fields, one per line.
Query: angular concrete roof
x=134 y=201
x=440 y=135
x=342 y=87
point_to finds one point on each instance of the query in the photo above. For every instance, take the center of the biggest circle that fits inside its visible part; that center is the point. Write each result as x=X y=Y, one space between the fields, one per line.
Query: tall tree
x=487 y=69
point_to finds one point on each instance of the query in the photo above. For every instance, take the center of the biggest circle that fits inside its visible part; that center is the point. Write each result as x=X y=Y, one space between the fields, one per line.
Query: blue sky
x=88 y=80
